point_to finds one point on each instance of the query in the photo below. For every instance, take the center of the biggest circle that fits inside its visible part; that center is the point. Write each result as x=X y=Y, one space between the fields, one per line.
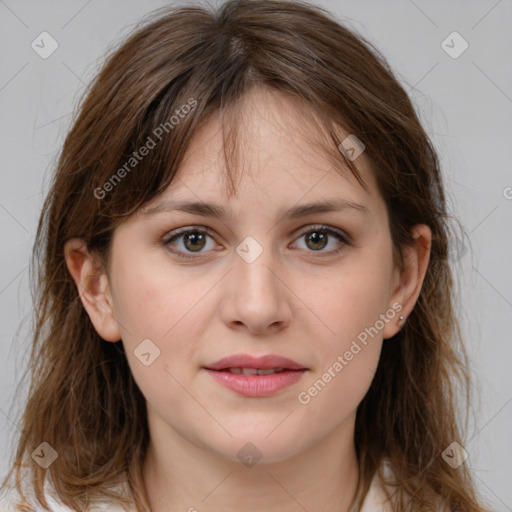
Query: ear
x=408 y=282
x=93 y=288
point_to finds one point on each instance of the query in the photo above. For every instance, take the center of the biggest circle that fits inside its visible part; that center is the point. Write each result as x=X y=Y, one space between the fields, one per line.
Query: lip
x=262 y=362
x=256 y=385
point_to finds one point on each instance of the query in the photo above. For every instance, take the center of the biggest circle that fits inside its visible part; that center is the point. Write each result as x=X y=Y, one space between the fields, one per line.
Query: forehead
x=280 y=157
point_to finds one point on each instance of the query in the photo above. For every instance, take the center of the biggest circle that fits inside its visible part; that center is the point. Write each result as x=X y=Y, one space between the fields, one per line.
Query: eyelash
x=319 y=227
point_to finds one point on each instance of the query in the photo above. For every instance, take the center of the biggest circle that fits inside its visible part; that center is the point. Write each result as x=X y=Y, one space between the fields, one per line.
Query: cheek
x=345 y=361
x=166 y=305
x=348 y=340
x=153 y=302
x=332 y=396
x=350 y=299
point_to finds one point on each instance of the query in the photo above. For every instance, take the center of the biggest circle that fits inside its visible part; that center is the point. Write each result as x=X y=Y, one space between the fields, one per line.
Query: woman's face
x=256 y=281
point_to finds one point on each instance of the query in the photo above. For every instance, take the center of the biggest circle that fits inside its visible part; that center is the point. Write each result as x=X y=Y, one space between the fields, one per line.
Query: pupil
x=319 y=237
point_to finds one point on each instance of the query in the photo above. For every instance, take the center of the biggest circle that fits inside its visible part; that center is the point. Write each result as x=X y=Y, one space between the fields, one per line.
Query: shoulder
x=376 y=499
x=10 y=500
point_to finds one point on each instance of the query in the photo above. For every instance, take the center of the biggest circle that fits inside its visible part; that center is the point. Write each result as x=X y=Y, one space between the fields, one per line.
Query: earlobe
x=93 y=288
x=408 y=282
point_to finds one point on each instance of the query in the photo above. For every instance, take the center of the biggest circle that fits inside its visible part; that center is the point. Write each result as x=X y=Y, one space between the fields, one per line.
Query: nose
x=256 y=298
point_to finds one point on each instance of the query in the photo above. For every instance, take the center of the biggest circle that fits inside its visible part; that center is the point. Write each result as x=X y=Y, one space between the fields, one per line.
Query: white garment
x=372 y=503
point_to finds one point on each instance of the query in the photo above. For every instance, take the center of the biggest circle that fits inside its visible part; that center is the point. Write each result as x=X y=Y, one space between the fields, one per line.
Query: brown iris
x=317 y=237
x=195 y=238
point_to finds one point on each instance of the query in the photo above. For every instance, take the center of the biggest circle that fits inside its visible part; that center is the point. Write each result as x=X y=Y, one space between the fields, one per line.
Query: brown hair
x=83 y=400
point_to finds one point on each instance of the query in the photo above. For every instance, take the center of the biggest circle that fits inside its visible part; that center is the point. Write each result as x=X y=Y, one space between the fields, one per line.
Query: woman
x=304 y=354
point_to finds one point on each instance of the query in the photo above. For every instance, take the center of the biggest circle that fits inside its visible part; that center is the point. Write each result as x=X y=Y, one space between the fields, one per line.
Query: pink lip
x=248 y=361
x=256 y=385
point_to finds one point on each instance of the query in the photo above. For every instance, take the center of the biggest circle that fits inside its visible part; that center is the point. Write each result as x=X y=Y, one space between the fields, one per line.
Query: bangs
x=160 y=142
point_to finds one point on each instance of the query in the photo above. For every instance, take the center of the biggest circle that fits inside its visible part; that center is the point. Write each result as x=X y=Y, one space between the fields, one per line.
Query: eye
x=318 y=237
x=194 y=240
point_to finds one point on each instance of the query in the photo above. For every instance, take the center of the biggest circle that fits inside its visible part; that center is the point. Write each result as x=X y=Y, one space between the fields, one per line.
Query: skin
x=293 y=300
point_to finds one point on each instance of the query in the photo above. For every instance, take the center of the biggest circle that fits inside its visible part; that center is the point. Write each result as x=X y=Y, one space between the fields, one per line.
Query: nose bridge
x=255 y=259
x=258 y=297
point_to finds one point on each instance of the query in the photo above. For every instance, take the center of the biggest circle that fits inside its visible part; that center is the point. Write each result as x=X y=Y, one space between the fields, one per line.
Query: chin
x=257 y=448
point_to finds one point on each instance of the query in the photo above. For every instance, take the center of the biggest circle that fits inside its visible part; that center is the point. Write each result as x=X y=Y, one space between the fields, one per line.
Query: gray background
x=465 y=104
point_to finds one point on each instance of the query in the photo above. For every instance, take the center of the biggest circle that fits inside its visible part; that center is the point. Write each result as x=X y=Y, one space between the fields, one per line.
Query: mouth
x=256 y=376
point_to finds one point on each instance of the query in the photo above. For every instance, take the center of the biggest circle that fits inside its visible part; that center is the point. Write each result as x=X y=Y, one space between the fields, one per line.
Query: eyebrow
x=218 y=211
